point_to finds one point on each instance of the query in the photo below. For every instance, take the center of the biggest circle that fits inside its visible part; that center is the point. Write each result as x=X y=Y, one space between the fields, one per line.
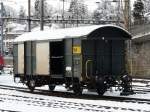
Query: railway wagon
x=1 y=62
x=91 y=57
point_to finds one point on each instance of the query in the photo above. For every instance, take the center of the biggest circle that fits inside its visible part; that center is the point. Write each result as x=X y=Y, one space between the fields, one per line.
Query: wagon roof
x=59 y=34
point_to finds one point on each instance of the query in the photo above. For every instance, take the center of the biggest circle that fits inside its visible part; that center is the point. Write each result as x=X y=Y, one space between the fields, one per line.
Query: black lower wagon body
x=92 y=57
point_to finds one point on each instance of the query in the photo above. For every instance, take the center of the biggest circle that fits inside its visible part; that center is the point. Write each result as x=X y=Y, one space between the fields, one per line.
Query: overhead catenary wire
x=57 y=20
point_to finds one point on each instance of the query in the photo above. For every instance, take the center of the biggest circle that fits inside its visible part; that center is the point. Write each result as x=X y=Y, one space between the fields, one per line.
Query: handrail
x=87 y=62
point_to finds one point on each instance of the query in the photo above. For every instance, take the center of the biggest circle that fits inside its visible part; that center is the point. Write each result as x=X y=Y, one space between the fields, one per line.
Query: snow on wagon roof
x=58 y=34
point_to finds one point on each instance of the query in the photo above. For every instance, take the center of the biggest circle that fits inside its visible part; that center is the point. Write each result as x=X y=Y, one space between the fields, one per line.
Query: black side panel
x=15 y=58
x=27 y=47
x=57 y=59
x=118 y=58
x=77 y=64
x=99 y=57
x=68 y=57
x=33 y=58
x=30 y=57
x=110 y=57
x=88 y=57
x=103 y=57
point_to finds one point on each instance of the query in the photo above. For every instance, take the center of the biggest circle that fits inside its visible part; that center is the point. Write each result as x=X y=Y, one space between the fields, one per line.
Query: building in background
x=12 y=31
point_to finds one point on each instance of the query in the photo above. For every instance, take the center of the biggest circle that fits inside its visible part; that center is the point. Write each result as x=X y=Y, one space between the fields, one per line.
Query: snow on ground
x=28 y=102
x=6 y=79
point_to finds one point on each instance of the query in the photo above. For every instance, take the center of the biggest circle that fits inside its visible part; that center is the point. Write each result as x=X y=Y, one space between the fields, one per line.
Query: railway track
x=62 y=104
x=144 y=88
x=42 y=102
x=2 y=110
x=66 y=104
x=71 y=95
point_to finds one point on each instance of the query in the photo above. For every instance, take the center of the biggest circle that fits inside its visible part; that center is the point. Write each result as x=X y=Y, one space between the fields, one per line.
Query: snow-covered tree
x=107 y=10
x=146 y=6
x=146 y=10
x=9 y=11
x=48 y=9
x=78 y=9
x=138 y=10
x=22 y=14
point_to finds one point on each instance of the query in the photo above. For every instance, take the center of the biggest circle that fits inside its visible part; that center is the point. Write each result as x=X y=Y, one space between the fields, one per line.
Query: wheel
x=31 y=85
x=51 y=87
x=101 y=87
x=77 y=89
x=101 y=90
